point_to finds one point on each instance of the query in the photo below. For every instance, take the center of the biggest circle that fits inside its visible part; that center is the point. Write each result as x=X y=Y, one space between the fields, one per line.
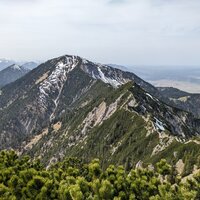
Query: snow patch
x=149 y=95
x=16 y=67
x=113 y=82
x=55 y=82
x=159 y=125
x=97 y=72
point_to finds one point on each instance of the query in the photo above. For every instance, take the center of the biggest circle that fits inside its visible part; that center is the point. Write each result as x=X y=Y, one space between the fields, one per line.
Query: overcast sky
x=129 y=32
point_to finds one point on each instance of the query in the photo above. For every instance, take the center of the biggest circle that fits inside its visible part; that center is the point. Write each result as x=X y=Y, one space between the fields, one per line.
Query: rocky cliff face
x=71 y=106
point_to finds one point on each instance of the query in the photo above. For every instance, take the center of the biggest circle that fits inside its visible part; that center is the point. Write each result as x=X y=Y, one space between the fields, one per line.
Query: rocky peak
x=54 y=83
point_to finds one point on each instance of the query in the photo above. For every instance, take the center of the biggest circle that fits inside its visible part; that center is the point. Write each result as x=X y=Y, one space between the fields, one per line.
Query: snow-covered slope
x=56 y=80
x=99 y=71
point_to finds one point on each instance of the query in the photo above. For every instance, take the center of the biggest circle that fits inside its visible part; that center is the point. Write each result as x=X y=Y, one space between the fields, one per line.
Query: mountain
x=183 y=100
x=12 y=73
x=5 y=63
x=120 y=67
x=69 y=106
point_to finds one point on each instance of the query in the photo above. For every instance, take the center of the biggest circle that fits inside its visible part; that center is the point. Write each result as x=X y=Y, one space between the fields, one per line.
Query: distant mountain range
x=30 y=65
x=12 y=73
x=70 y=106
x=6 y=63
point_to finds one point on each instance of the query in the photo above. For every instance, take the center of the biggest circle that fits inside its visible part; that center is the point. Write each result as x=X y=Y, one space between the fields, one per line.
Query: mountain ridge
x=69 y=106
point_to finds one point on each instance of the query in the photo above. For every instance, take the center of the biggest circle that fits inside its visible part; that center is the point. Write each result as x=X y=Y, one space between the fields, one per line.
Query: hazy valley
x=186 y=78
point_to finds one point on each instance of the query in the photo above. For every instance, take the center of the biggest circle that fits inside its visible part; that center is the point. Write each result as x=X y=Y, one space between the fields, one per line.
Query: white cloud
x=126 y=32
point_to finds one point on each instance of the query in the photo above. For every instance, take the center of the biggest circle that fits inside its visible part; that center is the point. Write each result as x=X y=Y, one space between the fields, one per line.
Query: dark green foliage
x=189 y=153
x=22 y=178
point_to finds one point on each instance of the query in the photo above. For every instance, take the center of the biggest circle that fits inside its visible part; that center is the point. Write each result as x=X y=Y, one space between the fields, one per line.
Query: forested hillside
x=22 y=178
